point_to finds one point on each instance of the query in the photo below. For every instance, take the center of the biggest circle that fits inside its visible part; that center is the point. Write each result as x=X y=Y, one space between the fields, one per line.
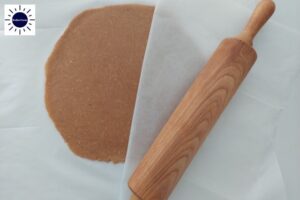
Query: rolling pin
x=178 y=141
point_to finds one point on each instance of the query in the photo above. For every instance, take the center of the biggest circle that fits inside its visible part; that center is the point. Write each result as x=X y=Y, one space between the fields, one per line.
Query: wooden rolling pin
x=180 y=138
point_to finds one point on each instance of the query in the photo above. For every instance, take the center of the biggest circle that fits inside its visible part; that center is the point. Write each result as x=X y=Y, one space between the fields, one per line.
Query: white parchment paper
x=238 y=159
x=35 y=163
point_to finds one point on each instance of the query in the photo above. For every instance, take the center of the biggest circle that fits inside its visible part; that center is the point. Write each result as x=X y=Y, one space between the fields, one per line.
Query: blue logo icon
x=19 y=19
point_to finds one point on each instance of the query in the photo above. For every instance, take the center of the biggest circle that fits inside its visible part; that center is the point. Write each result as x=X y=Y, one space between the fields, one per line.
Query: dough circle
x=92 y=77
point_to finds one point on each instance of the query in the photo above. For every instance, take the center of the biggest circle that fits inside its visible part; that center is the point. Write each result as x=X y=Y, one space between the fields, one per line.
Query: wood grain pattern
x=181 y=137
x=188 y=126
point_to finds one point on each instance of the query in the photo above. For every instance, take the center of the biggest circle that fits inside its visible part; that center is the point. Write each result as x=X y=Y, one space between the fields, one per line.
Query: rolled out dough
x=92 y=77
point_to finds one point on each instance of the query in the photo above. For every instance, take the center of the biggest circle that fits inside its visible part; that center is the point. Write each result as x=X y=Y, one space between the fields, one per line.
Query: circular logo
x=19 y=19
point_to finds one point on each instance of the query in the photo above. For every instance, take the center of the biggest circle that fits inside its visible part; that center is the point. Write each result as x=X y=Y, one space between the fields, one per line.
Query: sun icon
x=19 y=19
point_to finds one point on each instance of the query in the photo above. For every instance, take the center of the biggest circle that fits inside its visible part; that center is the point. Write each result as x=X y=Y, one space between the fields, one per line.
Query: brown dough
x=92 y=77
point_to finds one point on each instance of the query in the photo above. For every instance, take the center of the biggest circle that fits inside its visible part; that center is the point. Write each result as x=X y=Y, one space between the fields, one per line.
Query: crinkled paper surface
x=35 y=163
x=246 y=154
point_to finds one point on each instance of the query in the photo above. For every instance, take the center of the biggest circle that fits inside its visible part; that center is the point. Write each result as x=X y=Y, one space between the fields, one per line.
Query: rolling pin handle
x=263 y=11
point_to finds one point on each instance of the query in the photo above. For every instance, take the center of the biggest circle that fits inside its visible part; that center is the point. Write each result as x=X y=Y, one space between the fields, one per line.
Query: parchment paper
x=238 y=159
x=35 y=163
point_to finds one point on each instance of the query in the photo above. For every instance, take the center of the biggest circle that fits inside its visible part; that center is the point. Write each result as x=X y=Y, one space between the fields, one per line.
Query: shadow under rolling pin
x=180 y=138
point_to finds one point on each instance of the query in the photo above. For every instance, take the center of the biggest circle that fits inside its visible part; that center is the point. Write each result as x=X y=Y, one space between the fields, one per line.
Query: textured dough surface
x=92 y=77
